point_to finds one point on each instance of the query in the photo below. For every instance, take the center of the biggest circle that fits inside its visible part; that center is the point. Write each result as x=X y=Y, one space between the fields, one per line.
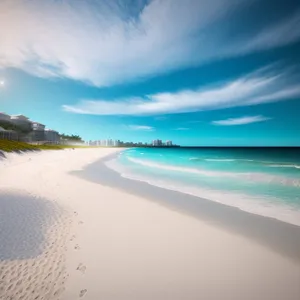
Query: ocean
x=263 y=181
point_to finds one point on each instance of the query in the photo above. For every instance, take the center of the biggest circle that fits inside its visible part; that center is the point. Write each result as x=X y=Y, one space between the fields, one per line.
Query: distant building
x=157 y=143
x=106 y=143
x=117 y=143
x=169 y=143
x=52 y=136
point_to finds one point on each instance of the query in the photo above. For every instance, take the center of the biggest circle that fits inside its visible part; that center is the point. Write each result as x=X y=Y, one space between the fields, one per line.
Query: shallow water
x=264 y=181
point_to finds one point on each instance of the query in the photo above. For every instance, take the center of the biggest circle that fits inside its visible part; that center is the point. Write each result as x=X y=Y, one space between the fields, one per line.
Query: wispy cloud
x=182 y=128
x=108 y=42
x=240 y=121
x=141 y=127
x=276 y=35
x=259 y=87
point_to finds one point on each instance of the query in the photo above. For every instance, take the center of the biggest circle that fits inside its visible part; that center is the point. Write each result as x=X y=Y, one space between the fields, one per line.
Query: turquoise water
x=258 y=180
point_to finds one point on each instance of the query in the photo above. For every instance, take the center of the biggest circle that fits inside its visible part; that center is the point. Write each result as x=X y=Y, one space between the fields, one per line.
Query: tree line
x=72 y=137
x=10 y=126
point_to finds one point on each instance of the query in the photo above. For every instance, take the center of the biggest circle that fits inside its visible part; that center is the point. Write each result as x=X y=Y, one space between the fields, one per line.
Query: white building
x=169 y=143
x=105 y=143
x=157 y=143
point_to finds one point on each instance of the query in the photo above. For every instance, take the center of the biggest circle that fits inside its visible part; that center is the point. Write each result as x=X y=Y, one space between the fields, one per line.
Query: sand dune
x=63 y=237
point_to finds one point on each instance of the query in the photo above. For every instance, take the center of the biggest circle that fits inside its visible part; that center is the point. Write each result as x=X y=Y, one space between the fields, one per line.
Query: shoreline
x=121 y=246
x=260 y=228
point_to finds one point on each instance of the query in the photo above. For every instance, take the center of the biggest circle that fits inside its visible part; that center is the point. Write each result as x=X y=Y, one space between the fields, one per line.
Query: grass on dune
x=13 y=146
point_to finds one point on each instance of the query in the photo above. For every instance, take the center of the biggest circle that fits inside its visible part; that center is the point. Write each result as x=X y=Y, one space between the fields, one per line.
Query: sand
x=64 y=237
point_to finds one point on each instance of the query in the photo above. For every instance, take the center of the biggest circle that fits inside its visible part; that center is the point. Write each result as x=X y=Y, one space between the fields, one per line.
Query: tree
x=73 y=138
x=10 y=126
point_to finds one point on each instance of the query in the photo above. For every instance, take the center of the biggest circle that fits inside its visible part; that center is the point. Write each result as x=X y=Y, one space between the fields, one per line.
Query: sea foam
x=266 y=206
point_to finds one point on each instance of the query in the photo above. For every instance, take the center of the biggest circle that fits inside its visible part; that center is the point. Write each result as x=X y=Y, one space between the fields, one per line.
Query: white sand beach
x=63 y=237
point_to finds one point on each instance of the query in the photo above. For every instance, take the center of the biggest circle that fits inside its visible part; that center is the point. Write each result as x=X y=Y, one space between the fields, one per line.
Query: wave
x=212 y=159
x=285 y=166
x=249 y=176
x=216 y=159
x=151 y=164
x=263 y=163
x=267 y=206
x=221 y=159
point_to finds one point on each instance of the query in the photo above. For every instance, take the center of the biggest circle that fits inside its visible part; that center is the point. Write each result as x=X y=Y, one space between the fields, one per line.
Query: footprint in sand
x=77 y=247
x=72 y=238
x=80 y=222
x=81 y=268
x=82 y=293
x=59 y=291
x=2 y=286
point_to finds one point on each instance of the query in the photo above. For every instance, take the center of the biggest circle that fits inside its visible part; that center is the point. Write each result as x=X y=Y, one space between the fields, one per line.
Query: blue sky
x=198 y=72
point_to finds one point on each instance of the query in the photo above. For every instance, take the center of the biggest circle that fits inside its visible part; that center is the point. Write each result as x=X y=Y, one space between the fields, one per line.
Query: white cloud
x=279 y=35
x=141 y=127
x=182 y=128
x=259 y=87
x=108 y=42
x=240 y=121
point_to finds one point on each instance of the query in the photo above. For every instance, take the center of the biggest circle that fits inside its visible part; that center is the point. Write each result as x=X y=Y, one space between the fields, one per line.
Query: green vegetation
x=13 y=146
x=71 y=138
x=10 y=126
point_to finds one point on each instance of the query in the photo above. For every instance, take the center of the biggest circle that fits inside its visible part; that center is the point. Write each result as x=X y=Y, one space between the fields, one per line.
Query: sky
x=197 y=72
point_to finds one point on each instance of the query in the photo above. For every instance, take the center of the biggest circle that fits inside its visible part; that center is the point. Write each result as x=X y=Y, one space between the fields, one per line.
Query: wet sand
x=279 y=236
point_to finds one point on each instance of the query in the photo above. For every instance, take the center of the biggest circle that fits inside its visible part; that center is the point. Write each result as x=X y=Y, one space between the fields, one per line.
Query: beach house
x=52 y=136
x=22 y=122
x=8 y=134
x=38 y=132
x=6 y=131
